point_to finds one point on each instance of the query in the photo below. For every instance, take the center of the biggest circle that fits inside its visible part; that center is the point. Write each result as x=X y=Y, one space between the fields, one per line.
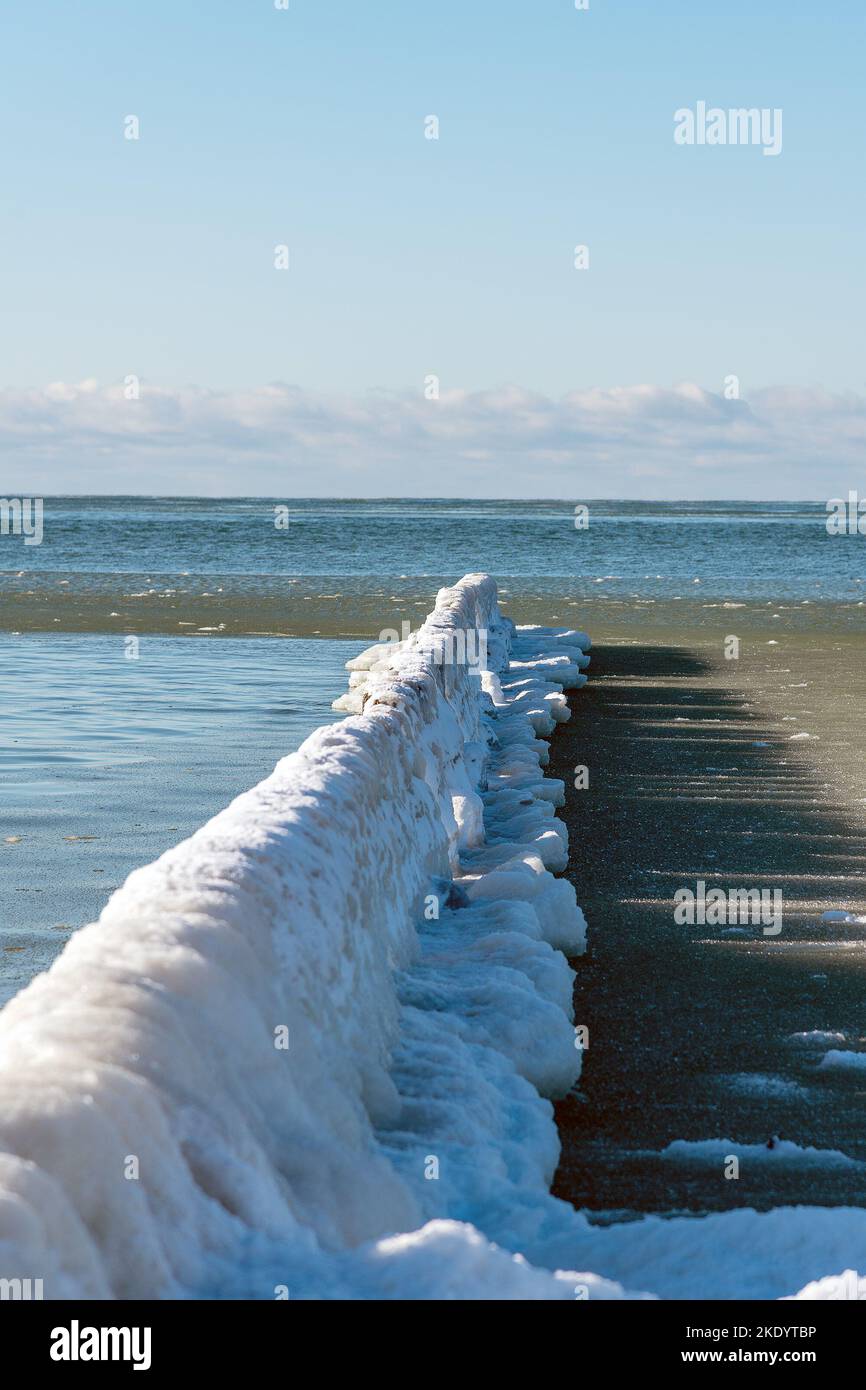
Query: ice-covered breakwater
x=305 y=1053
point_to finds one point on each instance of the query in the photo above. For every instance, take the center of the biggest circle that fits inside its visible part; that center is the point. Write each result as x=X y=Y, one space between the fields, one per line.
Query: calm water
x=105 y=762
x=766 y=548
x=352 y=568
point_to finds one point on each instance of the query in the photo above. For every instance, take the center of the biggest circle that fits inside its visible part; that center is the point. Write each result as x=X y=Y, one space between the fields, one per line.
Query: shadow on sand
x=690 y=1027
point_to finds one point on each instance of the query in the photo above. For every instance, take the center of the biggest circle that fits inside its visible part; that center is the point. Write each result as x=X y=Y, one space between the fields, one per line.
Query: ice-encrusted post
x=237 y=1020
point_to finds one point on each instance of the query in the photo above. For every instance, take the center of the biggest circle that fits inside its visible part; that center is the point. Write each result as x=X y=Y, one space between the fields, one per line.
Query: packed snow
x=310 y=1052
x=775 y=1151
x=836 y=1060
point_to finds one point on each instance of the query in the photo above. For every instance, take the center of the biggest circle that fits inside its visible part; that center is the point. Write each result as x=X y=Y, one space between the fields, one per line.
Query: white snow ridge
x=309 y=1052
x=246 y=1075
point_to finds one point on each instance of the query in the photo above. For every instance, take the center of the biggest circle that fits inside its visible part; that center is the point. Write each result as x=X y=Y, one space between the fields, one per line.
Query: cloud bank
x=630 y=441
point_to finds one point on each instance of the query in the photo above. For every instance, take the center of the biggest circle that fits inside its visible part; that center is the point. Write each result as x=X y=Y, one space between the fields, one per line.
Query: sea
x=159 y=655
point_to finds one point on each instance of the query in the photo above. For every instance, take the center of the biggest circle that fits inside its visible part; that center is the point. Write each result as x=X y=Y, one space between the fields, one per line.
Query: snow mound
x=838 y=1060
x=774 y=1151
x=816 y=1038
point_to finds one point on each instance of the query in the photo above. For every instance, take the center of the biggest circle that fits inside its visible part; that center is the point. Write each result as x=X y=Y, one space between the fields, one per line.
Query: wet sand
x=695 y=774
x=362 y=606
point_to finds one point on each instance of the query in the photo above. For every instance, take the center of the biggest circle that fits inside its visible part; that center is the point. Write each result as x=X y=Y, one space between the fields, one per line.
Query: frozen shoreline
x=146 y=1102
x=385 y=904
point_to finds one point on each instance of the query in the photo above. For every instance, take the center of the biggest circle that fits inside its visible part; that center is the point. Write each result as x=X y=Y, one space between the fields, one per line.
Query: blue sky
x=411 y=256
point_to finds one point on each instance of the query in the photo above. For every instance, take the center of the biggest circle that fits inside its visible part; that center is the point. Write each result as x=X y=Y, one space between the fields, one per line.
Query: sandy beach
x=700 y=770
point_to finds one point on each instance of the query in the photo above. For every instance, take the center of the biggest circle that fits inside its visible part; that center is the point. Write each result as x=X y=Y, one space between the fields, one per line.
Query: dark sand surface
x=694 y=774
x=361 y=606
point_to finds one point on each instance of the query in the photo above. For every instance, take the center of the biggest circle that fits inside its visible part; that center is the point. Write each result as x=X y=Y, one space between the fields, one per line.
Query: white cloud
x=628 y=441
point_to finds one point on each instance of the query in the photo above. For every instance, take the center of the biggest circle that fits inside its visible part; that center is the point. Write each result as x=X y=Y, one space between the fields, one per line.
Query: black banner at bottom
x=82 y=1339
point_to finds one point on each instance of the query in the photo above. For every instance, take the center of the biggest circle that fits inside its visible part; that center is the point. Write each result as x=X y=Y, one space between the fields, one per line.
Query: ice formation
x=309 y=1053
x=327 y=1016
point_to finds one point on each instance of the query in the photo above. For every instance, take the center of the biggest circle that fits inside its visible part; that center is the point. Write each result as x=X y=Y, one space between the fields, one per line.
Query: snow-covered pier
x=297 y=1047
